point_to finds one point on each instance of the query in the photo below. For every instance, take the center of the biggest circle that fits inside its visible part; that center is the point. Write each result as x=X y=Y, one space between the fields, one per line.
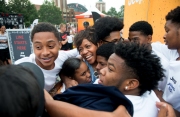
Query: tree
x=104 y=12
x=3 y=6
x=48 y=12
x=112 y=12
x=25 y=8
x=121 y=12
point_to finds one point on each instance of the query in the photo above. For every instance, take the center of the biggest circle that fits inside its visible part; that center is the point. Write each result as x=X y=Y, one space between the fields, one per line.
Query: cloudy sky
x=91 y=3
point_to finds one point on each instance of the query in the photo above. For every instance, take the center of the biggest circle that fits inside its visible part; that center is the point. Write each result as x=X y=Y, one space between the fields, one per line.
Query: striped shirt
x=3 y=37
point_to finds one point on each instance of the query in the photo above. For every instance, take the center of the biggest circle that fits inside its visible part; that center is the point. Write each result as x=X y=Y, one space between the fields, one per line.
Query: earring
x=126 y=88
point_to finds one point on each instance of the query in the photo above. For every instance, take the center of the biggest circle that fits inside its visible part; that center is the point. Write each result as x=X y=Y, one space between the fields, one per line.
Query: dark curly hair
x=70 y=66
x=174 y=15
x=44 y=27
x=144 y=27
x=105 y=50
x=141 y=64
x=88 y=34
x=105 y=25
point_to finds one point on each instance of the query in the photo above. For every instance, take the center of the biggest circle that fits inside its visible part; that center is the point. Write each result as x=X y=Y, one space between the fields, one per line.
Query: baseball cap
x=40 y=79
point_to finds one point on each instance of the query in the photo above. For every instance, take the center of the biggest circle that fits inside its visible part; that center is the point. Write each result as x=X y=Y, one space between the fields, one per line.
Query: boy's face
x=101 y=63
x=46 y=48
x=171 y=37
x=113 y=74
x=136 y=36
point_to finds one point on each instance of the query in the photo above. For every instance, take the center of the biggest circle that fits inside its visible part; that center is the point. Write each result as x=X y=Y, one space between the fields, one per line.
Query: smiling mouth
x=47 y=59
x=88 y=57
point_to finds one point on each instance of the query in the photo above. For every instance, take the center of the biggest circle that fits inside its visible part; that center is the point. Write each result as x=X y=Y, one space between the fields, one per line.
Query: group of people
x=105 y=75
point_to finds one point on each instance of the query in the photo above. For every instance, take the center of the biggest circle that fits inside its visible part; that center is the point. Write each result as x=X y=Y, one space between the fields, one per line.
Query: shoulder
x=26 y=59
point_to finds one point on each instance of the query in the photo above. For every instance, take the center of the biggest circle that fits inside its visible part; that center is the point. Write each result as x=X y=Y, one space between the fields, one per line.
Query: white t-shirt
x=172 y=89
x=3 y=37
x=70 y=39
x=145 y=105
x=51 y=76
x=165 y=65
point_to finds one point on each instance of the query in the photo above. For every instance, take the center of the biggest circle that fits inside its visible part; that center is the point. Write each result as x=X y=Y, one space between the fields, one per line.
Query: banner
x=19 y=41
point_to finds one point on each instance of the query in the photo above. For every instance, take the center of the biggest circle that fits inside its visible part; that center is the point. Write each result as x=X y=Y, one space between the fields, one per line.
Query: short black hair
x=20 y=92
x=174 y=15
x=143 y=26
x=105 y=50
x=44 y=27
x=105 y=25
x=70 y=66
x=2 y=25
x=141 y=64
x=88 y=34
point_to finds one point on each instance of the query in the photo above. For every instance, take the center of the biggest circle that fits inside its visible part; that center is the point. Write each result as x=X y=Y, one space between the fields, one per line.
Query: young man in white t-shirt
x=46 y=45
x=135 y=72
x=172 y=52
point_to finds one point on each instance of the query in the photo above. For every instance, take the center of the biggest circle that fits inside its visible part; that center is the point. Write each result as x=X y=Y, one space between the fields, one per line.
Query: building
x=101 y=6
x=78 y=8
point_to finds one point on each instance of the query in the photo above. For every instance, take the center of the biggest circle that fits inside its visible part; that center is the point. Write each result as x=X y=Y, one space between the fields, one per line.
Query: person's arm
x=64 y=42
x=63 y=109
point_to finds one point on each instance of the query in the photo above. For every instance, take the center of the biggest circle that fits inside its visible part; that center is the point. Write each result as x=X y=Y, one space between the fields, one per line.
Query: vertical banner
x=19 y=42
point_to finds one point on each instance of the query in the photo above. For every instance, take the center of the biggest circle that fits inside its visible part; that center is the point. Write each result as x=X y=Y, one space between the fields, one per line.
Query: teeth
x=88 y=57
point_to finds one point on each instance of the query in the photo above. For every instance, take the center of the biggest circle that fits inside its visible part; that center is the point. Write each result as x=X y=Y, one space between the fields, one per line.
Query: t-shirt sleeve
x=162 y=48
x=25 y=59
x=63 y=55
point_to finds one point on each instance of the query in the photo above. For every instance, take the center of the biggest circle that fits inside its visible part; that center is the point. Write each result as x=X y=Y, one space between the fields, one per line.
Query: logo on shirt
x=174 y=81
x=171 y=88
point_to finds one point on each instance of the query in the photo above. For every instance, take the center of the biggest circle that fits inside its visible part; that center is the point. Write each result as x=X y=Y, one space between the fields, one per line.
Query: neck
x=134 y=92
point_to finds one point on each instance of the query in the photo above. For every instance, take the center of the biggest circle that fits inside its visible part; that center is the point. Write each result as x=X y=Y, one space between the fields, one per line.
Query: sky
x=90 y=3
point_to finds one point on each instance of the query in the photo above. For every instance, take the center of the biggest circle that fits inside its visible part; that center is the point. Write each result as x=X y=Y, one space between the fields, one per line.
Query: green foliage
x=50 y=13
x=113 y=13
x=3 y=6
x=25 y=8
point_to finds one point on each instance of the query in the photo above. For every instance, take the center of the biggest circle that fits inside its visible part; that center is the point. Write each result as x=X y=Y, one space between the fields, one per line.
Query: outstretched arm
x=63 y=109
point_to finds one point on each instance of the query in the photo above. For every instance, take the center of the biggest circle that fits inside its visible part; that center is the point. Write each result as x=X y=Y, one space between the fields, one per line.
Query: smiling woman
x=86 y=43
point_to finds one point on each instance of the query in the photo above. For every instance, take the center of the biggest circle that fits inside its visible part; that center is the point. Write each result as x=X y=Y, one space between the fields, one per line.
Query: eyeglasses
x=114 y=40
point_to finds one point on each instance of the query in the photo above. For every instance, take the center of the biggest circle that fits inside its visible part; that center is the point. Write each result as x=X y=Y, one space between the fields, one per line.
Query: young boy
x=102 y=55
x=46 y=45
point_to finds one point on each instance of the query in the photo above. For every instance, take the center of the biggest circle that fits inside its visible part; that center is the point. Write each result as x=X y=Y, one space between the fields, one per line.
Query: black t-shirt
x=63 y=37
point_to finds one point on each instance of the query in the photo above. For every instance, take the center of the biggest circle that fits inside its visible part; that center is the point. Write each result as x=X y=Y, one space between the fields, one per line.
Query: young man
x=141 y=32
x=172 y=53
x=4 y=50
x=46 y=45
x=108 y=29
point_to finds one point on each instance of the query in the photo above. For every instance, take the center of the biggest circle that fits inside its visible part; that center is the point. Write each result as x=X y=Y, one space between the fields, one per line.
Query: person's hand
x=121 y=111
x=159 y=94
x=69 y=82
x=166 y=110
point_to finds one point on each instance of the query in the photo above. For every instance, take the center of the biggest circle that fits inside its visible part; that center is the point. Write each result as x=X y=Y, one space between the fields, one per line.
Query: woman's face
x=171 y=37
x=88 y=51
x=82 y=75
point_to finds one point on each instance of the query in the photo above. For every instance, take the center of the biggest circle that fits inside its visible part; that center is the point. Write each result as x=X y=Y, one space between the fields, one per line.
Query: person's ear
x=131 y=84
x=149 y=39
x=100 y=43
